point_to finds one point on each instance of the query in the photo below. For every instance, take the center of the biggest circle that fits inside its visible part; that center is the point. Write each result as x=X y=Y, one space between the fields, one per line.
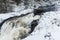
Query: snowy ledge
x=8 y=15
x=18 y=22
x=48 y=27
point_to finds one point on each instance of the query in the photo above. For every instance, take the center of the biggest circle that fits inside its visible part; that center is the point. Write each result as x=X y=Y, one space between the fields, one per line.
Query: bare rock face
x=7 y=5
x=4 y=6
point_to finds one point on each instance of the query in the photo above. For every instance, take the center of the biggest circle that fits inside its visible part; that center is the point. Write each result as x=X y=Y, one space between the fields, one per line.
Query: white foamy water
x=47 y=29
x=17 y=28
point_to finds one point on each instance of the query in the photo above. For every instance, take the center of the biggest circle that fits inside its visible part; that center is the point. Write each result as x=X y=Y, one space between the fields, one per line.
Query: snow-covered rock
x=48 y=27
x=11 y=14
x=17 y=27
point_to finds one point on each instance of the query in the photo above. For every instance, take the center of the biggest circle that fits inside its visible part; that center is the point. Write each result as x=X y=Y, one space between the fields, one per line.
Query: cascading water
x=25 y=16
x=17 y=27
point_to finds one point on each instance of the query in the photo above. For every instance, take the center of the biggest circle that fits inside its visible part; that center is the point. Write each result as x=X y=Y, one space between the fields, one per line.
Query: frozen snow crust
x=48 y=27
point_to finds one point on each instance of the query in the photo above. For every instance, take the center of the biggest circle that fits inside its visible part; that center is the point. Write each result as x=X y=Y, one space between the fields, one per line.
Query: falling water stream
x=15 y=27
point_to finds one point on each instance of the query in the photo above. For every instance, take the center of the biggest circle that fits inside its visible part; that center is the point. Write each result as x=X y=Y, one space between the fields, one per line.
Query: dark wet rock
x=47 y=35
x=34 y=23
x=45 y=0
x=17 y=1
x=43 y=9
x=37 y=12
x=47 y=8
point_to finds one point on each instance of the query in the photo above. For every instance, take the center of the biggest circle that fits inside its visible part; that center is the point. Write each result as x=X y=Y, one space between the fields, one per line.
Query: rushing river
x=40 y=23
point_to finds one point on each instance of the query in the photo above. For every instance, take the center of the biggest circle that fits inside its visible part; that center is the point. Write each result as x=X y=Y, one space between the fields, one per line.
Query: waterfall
x=18 y=27
x=24 y=19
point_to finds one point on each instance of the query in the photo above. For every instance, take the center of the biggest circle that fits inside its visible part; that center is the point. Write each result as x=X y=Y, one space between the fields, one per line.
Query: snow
x=16 y=31
x=48 y=27
x=8 y=15
x=45 y=26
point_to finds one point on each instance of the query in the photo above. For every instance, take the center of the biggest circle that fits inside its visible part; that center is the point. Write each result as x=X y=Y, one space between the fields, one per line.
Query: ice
x=48 y=27
x=7 y=15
